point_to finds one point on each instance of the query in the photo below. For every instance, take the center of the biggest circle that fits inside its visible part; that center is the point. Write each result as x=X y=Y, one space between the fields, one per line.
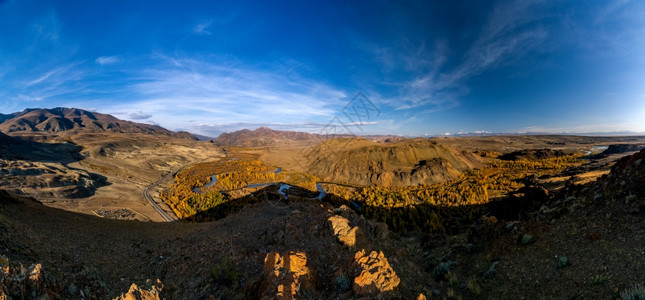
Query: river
x=283 y=189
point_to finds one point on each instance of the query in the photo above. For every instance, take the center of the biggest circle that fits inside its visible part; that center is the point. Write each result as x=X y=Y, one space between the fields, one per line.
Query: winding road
x=154 y=203
x=146 y=194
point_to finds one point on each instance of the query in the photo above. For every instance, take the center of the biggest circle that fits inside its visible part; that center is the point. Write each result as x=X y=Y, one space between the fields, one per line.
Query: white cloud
x=58 y=81
x=30 y=98
x=57 y=75
x=178 y=90
x=139 y=115
x=107 y=60
x=361 y=123
x=202 y=28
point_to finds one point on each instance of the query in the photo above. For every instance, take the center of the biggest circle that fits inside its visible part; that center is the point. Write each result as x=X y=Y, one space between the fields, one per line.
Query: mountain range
x=73 y=119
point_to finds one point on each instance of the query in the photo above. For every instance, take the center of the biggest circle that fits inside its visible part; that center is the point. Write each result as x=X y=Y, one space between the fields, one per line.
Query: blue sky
x=427 y=67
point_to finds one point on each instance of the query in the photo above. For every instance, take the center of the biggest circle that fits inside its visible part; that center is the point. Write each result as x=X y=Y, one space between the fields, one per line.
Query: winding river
x=283 y=189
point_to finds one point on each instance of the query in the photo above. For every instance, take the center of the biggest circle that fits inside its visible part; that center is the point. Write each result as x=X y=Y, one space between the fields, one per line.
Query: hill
x=407 y=162
x=72 y=119
x=91 y=162
x=262 y=137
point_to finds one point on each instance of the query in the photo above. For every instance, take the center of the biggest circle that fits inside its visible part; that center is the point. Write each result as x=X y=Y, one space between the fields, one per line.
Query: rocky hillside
x=408 y=162
x=262 y=137
x=67 y=119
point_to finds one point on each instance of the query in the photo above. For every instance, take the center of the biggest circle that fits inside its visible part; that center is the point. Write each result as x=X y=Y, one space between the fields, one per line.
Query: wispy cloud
x=58 y=81
x=57 y=75
x=202 y=28
x=107 y=60
x=505 y=39
x=139 y=115
x=30 y=98
x=441 y=74
x=48 y=28
x=608 y=9
x=181 y=89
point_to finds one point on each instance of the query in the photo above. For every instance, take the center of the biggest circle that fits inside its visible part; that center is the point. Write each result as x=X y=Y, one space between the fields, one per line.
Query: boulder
x=374 y=274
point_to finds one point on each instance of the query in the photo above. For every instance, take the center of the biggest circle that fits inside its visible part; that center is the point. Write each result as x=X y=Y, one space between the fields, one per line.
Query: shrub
x=491 y=270
x=343 y=283
x=563 y=262
x=225 y=274
x=635 y=292
x=527 y=239
x=474 y=287
x=440 y=271
x=599 y=279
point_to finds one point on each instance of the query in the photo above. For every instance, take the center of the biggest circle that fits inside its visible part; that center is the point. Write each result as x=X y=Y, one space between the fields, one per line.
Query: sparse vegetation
x=225 y=274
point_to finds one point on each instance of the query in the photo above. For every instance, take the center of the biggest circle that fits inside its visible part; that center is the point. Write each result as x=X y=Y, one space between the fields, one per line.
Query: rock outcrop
x=286 y=276
x=20 y=282
x=153 y=292
x=374 y=274
x=345 y=233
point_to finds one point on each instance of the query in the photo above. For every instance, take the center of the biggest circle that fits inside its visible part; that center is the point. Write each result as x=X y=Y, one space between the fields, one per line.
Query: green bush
x=491 y=270
x=635 y=292
x=599 y=279
x=563 y=262
x=440 y=271
x=527 y=239
x=343 y=283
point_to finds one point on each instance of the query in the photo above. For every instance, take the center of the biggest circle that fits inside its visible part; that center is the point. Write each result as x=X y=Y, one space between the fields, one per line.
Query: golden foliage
x=420 y=207
x=188 y=196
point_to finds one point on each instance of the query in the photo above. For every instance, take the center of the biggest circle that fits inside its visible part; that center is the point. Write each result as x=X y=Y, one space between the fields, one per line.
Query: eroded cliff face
x=409 y=162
